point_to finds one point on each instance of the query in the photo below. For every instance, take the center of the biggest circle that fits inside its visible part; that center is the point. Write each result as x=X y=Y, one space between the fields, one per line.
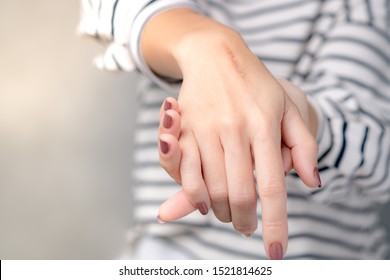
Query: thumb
x=176 y=207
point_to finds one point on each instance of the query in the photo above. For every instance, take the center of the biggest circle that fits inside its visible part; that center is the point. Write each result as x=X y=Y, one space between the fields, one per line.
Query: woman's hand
x=170 y=125
x=234 y=115
x=170 y=156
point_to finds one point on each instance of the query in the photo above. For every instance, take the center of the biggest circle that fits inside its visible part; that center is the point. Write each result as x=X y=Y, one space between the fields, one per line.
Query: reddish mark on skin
x=235 y=62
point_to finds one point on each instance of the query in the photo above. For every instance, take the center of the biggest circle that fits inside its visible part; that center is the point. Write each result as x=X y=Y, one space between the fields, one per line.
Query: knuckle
x=219 y=196
x=192 y=190
x=243 y=201
x=263 y=130
x=231 y=123
x=188 y=163
x=275 y=224
x=272 y=189
x=203 y=128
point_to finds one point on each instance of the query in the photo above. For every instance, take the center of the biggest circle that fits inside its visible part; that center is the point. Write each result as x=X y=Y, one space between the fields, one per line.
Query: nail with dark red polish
x=202 y=207
x=164 y=147
x=317 y=176
x=167 y=105
x=276 y=251
x=167 y=121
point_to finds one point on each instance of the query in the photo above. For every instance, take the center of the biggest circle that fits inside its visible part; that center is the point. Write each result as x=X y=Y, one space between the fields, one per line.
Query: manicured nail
x=164 y=147
x=167 y=105
x=248 y=235
x=167 y=121
x=159 y=220
x=202 y=207
x=275 y=251
x=317 y=176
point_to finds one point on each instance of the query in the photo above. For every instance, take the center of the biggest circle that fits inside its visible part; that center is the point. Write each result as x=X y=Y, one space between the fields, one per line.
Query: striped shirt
x=338 y=52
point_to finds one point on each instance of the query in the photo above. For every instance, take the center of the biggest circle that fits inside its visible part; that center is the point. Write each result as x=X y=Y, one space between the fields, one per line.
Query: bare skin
x=234 y=117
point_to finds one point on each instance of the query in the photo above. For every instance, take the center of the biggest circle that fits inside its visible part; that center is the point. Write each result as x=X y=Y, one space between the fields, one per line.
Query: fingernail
x=167 y=105
x=248 y=235
x=164 y=147
x=317 y=176
x=167 y=121
x=202 y=207
x=276 y=251
x=159 y=220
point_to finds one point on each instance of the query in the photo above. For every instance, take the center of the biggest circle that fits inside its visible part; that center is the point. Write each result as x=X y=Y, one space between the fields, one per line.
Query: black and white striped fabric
x=338 y=52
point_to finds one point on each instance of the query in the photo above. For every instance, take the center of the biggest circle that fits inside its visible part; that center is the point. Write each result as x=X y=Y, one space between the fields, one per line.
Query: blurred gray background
x=65 y=139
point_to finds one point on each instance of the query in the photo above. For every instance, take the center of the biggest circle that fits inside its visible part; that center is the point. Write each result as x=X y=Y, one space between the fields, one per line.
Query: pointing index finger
x=272 y=191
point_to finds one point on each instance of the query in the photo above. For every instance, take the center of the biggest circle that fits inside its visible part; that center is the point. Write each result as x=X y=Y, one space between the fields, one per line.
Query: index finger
x=272 y=191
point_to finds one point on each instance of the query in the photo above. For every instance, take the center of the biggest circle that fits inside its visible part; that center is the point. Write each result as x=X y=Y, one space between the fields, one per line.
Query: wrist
x=207 y=44
x=175 y=41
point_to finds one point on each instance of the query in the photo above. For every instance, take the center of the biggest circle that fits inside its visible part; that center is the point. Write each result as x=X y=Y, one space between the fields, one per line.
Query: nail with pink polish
x=164 y=147
x=167 y=105
x=275 y=251
x=202 y=207
x=167 y=121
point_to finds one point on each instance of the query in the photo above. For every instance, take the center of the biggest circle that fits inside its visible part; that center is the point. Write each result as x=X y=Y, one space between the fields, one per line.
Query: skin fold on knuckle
x=218 y=196
x=262 y=130
x=244 y=202
x=192 y=189
x=275 y=225
x=189 y=159
x=230 y=123
x=273 y=189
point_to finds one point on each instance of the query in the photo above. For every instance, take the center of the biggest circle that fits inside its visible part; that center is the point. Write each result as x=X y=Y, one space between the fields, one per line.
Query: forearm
x=172 y=38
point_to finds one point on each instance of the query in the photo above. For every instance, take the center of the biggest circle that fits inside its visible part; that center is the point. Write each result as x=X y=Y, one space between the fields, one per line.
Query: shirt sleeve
x=348 y=83
x=118 y=24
